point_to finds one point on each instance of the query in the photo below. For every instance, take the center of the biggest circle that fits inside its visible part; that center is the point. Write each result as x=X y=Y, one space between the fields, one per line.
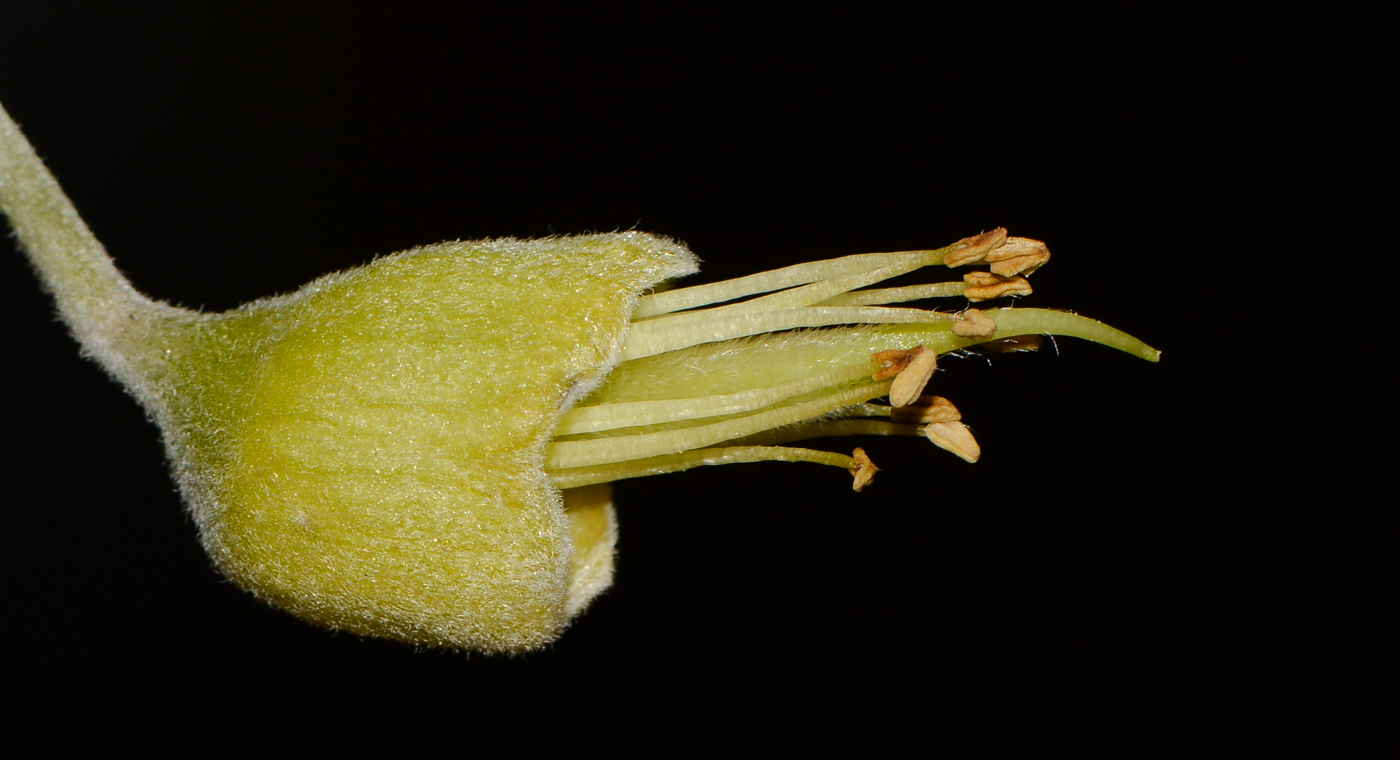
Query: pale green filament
x=656 y=337
x=677 y=390
x=829 y=428
x=565 y=454
x=897 y=295
x=589 y=419
x=805 y=295
x=869 y=410
x=761 y=447
x=686 y=460
x=787 y=310
x=777 y=279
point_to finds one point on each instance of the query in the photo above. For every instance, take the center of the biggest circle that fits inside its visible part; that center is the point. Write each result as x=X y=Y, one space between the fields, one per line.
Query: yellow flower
x=420 y=448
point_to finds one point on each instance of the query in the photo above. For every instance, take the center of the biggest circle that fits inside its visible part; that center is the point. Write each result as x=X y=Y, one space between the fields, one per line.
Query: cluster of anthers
x=730 y=383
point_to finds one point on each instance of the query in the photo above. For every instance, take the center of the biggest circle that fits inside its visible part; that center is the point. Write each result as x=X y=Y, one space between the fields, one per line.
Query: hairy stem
x=108 y=317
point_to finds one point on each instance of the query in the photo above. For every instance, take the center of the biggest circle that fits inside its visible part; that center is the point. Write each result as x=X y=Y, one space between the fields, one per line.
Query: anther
x=925 y=411
x=1018 y=255
x=954 y=437
x=974 y=324
x=975 y=248
x=910 y=381
x=984 y=286
x=862 y=469
x=891 y=363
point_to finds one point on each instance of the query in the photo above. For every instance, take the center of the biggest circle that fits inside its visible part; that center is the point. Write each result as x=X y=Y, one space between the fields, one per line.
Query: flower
x=420 y=448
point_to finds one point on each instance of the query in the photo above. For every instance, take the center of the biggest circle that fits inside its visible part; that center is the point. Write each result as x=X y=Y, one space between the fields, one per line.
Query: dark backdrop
x=1113 y=547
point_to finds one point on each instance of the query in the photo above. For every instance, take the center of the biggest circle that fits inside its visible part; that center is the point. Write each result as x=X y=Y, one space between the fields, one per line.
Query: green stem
x=109 y=318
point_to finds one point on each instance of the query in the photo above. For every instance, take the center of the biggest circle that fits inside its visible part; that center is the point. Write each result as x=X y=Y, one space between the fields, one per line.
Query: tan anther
x=891 y=363
x=975 y=248
x=1018 y=256
x=926 y=410
x=974 y=324
x=862 y=469
x=954 y=437
x=984 y=286
x=1009 y=345
x=910 y=381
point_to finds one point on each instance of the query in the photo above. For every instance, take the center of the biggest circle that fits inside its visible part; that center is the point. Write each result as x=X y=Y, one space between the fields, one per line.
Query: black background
x=1118 y=546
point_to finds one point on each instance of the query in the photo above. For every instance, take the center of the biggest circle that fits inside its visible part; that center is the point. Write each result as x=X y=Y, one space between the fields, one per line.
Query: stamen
x=1018 y=256
x=829 y=429
x=911 y=380
x=656 y=337
x=591 y=419
x=688 y=394
x=984 y=286
x=890 y=363
x=954 y=437
x=561 y=455
x=862 y=469
x=974 y=324
x=869 y=410
x=879 y=296
x=686 y=460
x=971 y=250
x=928 y=410
x=795 y=298
x=766 y=282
